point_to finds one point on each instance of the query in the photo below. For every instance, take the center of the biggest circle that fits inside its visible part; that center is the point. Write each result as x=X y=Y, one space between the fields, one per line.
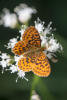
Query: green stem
x=34 y=82
x=40 y=87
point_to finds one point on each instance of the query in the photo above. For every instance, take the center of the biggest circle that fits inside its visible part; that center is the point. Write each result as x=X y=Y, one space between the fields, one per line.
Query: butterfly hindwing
x=41 y=66
x=35 y=62
x=24 y=64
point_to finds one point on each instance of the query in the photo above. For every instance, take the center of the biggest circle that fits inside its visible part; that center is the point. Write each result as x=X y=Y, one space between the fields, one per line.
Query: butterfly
x=34 y=59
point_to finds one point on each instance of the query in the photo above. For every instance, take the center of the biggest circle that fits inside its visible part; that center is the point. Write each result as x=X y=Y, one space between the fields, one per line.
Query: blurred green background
x=53 y=87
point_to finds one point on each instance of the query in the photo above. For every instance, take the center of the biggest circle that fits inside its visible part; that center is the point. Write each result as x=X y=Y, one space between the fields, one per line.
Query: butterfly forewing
x=19 y=48
x=32 y=37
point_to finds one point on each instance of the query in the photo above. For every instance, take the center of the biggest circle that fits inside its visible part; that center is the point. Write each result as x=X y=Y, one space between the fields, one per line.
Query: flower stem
x=40 y=87
x=34 y=82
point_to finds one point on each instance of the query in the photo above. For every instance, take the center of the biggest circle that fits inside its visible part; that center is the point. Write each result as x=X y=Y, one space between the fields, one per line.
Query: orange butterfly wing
x=30 y=39
x=41 y=66
x=19 y=48
x=25 y=64
x=37 y=63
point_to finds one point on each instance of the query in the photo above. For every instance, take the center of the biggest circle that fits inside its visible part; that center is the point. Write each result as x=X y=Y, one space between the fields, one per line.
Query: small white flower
x=23 y=28
x=16 y=58
x=50 y=43
x=8 y=62
x=44 y=40
x=3 y=63
x=39 y=25
x=11 y=43
x=21 y=74
x=48 y=29
x=13 y=68
x=8 y=19
x=53 y=45
x=4 y=56
x=24 y=12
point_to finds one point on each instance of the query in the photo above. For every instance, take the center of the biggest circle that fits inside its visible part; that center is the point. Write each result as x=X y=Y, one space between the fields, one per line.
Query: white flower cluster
x=7 y=64
x=8 y=19
x=49 y=42
x=11 y=43
x=11 y=20
x=5 y=61
x=24 y=12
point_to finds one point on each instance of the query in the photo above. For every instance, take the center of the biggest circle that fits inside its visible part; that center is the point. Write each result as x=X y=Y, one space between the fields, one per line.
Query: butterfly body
x=33 y=57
